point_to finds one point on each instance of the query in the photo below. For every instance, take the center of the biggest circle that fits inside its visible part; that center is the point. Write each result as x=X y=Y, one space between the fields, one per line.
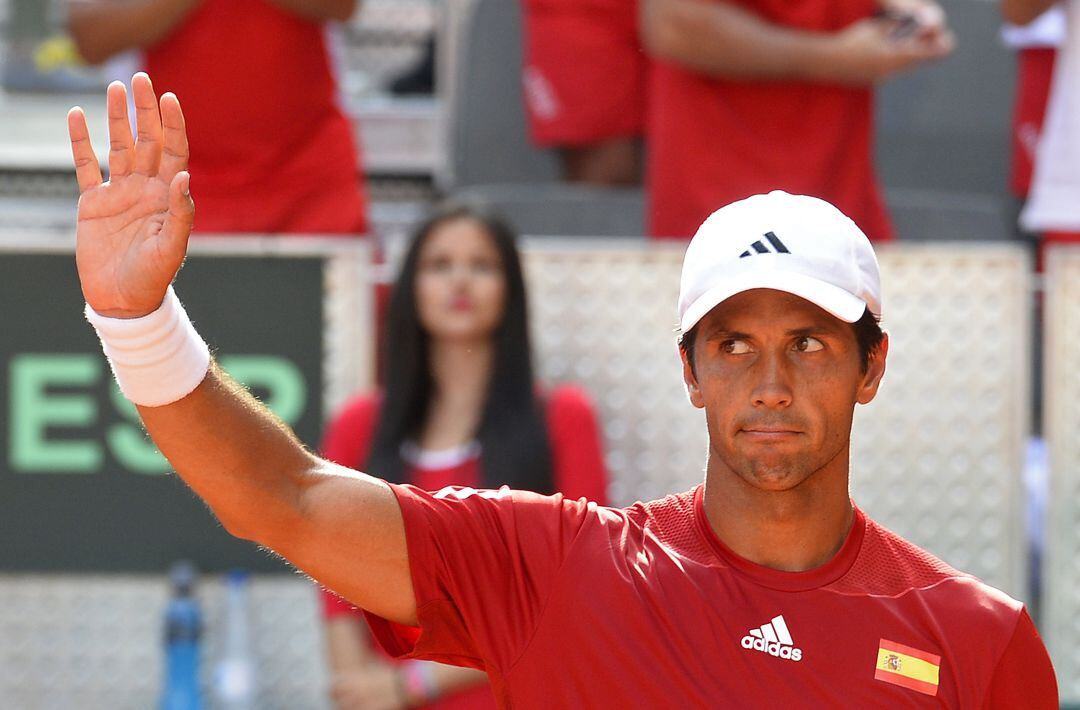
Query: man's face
x=778 y=378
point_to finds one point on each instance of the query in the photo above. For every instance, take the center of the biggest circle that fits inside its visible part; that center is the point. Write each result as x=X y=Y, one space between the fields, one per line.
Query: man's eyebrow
x=816 y=329
x=722 y=333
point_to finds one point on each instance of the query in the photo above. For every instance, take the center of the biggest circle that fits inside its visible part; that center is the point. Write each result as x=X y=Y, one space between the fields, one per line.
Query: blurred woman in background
x=461 y=407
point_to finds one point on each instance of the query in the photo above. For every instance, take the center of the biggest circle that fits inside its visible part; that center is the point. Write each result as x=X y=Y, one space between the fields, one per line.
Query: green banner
x=82 y=488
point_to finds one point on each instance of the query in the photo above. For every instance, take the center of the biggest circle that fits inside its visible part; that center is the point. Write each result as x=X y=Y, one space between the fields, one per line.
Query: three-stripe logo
x=759 y=248
x=773 y=638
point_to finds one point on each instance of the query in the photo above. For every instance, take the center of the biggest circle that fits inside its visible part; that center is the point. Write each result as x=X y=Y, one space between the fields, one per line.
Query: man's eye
x=735 y=347
x=807 y=344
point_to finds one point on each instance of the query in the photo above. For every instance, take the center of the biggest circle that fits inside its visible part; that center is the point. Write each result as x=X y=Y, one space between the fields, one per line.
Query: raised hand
x=133 y=230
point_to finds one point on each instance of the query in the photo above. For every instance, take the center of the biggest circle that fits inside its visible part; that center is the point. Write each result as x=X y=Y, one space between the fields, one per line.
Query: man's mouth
x=768 y=433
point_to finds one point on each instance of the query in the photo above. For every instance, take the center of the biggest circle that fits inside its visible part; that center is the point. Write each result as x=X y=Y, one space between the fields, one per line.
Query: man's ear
x=875 y=370
x=690 y=379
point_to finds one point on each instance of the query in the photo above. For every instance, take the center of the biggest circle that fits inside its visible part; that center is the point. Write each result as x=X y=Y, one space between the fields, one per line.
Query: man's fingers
x=175 y=151
x=179 y=220
x=121 y=144
x=87 y=169
x=148 y=125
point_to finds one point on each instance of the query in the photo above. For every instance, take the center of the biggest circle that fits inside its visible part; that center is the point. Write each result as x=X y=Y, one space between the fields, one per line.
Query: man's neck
x=793 y=530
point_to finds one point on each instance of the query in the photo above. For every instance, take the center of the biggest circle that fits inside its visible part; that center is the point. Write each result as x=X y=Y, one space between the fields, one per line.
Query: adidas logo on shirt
x=774 y=639
x=778 y=247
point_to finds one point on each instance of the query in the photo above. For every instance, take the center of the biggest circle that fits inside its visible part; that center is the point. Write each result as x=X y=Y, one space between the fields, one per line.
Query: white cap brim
x=833 y=299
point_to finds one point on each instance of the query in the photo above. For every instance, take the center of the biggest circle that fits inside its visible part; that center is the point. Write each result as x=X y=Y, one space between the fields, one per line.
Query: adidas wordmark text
x=774 y=639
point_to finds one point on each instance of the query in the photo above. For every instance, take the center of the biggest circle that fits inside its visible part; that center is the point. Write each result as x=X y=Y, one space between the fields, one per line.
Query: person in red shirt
x=752 y=95
x=273 y=150
x=1051 y=207
x=459 y=407
x=765 y=586
x=584 y=79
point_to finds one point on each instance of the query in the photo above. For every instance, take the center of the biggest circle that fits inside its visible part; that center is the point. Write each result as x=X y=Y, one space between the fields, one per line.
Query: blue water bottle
x=183 y=628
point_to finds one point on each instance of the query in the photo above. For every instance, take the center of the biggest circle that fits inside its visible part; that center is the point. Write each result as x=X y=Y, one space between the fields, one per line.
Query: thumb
x=181 y=216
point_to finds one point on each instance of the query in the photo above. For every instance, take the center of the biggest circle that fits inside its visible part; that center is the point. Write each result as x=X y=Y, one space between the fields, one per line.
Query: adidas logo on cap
x=759 y=248
x=774 y=639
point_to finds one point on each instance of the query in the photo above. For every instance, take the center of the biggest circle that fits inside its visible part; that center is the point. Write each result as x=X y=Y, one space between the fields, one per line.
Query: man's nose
x=773 y=387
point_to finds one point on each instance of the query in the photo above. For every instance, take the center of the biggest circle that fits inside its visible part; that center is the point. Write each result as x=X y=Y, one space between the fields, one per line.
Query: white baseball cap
x=793 y=243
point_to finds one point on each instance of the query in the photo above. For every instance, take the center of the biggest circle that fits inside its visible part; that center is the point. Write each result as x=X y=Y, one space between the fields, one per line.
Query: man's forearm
x=725 y=40
x=340 y=10
x=247 y=465
x=102 y=28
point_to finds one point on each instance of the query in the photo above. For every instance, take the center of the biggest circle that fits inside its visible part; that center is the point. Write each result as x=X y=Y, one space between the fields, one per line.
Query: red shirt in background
x=578 y=472
x=584 y=73
x=1034 y=70
x=271 y=150
x=713 y=141
x=569 y=604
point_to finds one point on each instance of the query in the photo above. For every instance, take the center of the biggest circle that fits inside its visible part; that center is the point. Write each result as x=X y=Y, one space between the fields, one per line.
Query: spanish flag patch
x=908 y=667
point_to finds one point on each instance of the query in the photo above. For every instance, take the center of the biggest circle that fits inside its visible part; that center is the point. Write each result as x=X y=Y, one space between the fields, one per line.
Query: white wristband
x=157 y=359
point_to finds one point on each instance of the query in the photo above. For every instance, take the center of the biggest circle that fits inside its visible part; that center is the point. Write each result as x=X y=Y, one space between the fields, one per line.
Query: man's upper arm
x=350 y=536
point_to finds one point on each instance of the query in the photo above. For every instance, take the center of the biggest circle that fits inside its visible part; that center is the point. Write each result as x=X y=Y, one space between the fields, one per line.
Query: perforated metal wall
x=937 y=457
x=94 y=643
x=603 y=316
x=350 y=323
x=1061 y=563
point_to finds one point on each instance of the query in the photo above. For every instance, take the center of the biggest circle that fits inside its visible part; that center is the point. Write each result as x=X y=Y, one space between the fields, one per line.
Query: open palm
x=133 y=230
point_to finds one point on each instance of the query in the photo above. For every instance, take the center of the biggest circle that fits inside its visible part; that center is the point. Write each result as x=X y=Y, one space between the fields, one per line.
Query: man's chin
x=777 y=477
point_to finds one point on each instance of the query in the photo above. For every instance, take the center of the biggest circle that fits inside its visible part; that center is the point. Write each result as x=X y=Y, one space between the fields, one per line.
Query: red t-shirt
x=713 y=141
x=569 y=604
x=271 y=150
x=578 y=471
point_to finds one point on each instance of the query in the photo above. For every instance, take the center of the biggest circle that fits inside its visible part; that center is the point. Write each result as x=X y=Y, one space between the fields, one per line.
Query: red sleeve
x=1024 y=676
x=483 y=565
x=576 y=449
x=348 y=435
x=346 y=442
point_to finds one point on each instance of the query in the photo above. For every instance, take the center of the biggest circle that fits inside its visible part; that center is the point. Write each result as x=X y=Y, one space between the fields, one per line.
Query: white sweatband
x=157 y=359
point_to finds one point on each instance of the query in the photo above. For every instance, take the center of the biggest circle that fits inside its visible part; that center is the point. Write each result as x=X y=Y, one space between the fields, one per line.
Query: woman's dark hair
x=868 y=336
x=512 y=433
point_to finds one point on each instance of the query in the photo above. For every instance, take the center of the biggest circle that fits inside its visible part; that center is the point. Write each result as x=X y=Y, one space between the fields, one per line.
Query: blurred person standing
x=1036 y=46
x=459 y=407
x=584 y=79
x=748 y=96
x=1053 y=206
x=273 y=150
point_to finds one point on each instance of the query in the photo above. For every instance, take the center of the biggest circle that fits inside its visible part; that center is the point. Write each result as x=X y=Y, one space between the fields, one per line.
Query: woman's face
x=460 y=284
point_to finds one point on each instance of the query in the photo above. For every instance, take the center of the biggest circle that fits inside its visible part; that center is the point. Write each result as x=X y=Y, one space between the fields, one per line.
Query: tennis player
x=764 y=587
